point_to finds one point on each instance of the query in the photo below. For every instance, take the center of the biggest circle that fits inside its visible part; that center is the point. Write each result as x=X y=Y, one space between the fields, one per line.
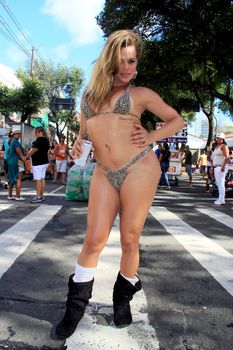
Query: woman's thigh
x=137 y=194
x=103 y=206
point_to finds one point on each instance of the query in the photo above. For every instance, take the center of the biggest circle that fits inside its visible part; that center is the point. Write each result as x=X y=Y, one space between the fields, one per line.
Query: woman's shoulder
x=15 y=142
x=224 y=148
x=143 y=93
x=141 y=89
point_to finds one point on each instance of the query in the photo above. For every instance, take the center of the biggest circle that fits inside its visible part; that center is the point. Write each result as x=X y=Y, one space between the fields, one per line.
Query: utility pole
x=32 y=62
x=31 y=75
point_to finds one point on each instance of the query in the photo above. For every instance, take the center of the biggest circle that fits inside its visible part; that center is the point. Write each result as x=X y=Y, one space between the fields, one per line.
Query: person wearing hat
x=15 y=160
x=220 y=157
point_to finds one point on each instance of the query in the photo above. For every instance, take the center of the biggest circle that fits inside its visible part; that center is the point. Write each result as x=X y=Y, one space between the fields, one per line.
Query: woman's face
x=39 y=133
x=128 y=66
x=17 y=135
x=219 y=140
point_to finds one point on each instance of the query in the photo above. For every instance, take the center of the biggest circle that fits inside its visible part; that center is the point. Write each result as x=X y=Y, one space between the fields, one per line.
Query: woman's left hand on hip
x=140 y=136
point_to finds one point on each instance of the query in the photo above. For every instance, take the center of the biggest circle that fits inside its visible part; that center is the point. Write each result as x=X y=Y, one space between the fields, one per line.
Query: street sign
x=179 y=137
x=62 y=103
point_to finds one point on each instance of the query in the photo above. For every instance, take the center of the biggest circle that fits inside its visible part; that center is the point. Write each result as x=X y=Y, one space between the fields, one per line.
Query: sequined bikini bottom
x=117 y=177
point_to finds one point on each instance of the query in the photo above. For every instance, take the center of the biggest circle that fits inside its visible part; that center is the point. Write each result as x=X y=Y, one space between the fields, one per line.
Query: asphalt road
x=186 y=268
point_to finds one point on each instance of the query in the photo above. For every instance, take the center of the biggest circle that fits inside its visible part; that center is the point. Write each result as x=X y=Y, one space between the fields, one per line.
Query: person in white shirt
x=220 y=157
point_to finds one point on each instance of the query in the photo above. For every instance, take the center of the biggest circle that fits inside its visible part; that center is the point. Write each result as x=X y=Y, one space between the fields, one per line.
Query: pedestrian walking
x=164 y=163
x=126 y=174
x=52 y=160
x=61 y=153
x=39 y=155
x=202 y=163
x=15 y=161
x=220 y=157
x=187 y=157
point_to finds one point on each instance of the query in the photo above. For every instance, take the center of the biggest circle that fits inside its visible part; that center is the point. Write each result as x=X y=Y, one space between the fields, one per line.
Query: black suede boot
x=78 y=298
x=123 y=292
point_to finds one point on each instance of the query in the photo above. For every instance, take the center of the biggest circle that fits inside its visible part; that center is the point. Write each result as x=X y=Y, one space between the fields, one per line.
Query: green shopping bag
x=78 y=182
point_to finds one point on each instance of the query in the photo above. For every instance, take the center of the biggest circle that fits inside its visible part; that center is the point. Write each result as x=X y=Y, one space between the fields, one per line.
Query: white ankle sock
x=83 y=274
x=133 y=281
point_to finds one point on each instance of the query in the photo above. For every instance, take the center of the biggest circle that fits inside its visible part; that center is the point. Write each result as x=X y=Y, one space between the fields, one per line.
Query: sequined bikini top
x=122 y=106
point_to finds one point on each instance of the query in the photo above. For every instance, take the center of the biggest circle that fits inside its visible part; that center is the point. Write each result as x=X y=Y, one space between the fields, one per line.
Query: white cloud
x=60 y=52
x=77 y=17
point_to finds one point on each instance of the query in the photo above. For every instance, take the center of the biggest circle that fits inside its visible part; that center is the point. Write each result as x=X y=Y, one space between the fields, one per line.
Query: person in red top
x=61 y=159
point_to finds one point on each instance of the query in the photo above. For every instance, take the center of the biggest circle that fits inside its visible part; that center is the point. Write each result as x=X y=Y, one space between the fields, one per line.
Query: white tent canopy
x=195 y=142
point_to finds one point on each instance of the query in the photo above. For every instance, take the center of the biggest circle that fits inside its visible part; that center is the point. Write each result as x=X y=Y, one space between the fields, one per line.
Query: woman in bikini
x=125 y=177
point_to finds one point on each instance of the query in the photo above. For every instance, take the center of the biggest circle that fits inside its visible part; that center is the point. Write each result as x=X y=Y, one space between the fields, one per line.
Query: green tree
x=6 y=100
x=25 y=100
x=57 y=81
x=188 y=49
x=29 y=99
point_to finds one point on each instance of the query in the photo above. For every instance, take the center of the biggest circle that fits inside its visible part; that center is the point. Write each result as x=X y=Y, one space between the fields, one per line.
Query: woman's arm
x=20 y=154
x=48 y=154
x=225 y=151
x=83 y=135
x=151 y=101
x=31 y=152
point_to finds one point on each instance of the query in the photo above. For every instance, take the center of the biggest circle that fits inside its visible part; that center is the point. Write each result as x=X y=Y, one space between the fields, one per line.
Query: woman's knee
x=130 y=242
x=94 y=243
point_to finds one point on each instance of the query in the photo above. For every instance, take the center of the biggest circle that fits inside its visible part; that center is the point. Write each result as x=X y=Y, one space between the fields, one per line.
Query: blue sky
x=64 y=31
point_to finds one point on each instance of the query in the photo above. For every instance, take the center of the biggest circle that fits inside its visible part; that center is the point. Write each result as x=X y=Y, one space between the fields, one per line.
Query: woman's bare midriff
x=110 y=134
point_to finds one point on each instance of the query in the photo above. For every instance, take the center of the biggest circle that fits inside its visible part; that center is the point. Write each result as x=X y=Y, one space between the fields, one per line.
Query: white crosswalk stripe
x=218 y=216
x=5 y=206
x=215 y=259
x=17 y=238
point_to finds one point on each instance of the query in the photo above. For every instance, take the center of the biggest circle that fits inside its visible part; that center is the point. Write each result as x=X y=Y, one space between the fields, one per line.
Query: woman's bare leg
x=10 y=190
x=55 y=173
x=19 y=184
x=102 y=209
x=136 y=196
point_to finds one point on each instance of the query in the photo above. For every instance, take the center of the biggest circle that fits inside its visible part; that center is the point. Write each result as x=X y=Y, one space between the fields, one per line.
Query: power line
x=14 y=19
x=14 y=39
x=12 y=36
x=7 y=37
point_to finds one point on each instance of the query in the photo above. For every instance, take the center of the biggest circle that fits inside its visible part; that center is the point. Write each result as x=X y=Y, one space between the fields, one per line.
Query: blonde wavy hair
x=108 y=63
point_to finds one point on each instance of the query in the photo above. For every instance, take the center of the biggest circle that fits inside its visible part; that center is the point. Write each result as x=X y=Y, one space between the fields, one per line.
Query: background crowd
x=211 y=164
x=56 y=160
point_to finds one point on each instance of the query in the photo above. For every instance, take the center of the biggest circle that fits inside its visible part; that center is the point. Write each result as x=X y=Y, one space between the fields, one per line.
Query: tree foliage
x=6 y=100
x=57 y=81
x=188 y=49
x=25 y=100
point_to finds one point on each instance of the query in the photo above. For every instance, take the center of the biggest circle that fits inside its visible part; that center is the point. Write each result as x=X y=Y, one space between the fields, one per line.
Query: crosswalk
x=215 y=259
x=96 y=330
x=218 y=216
x=15 y=240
